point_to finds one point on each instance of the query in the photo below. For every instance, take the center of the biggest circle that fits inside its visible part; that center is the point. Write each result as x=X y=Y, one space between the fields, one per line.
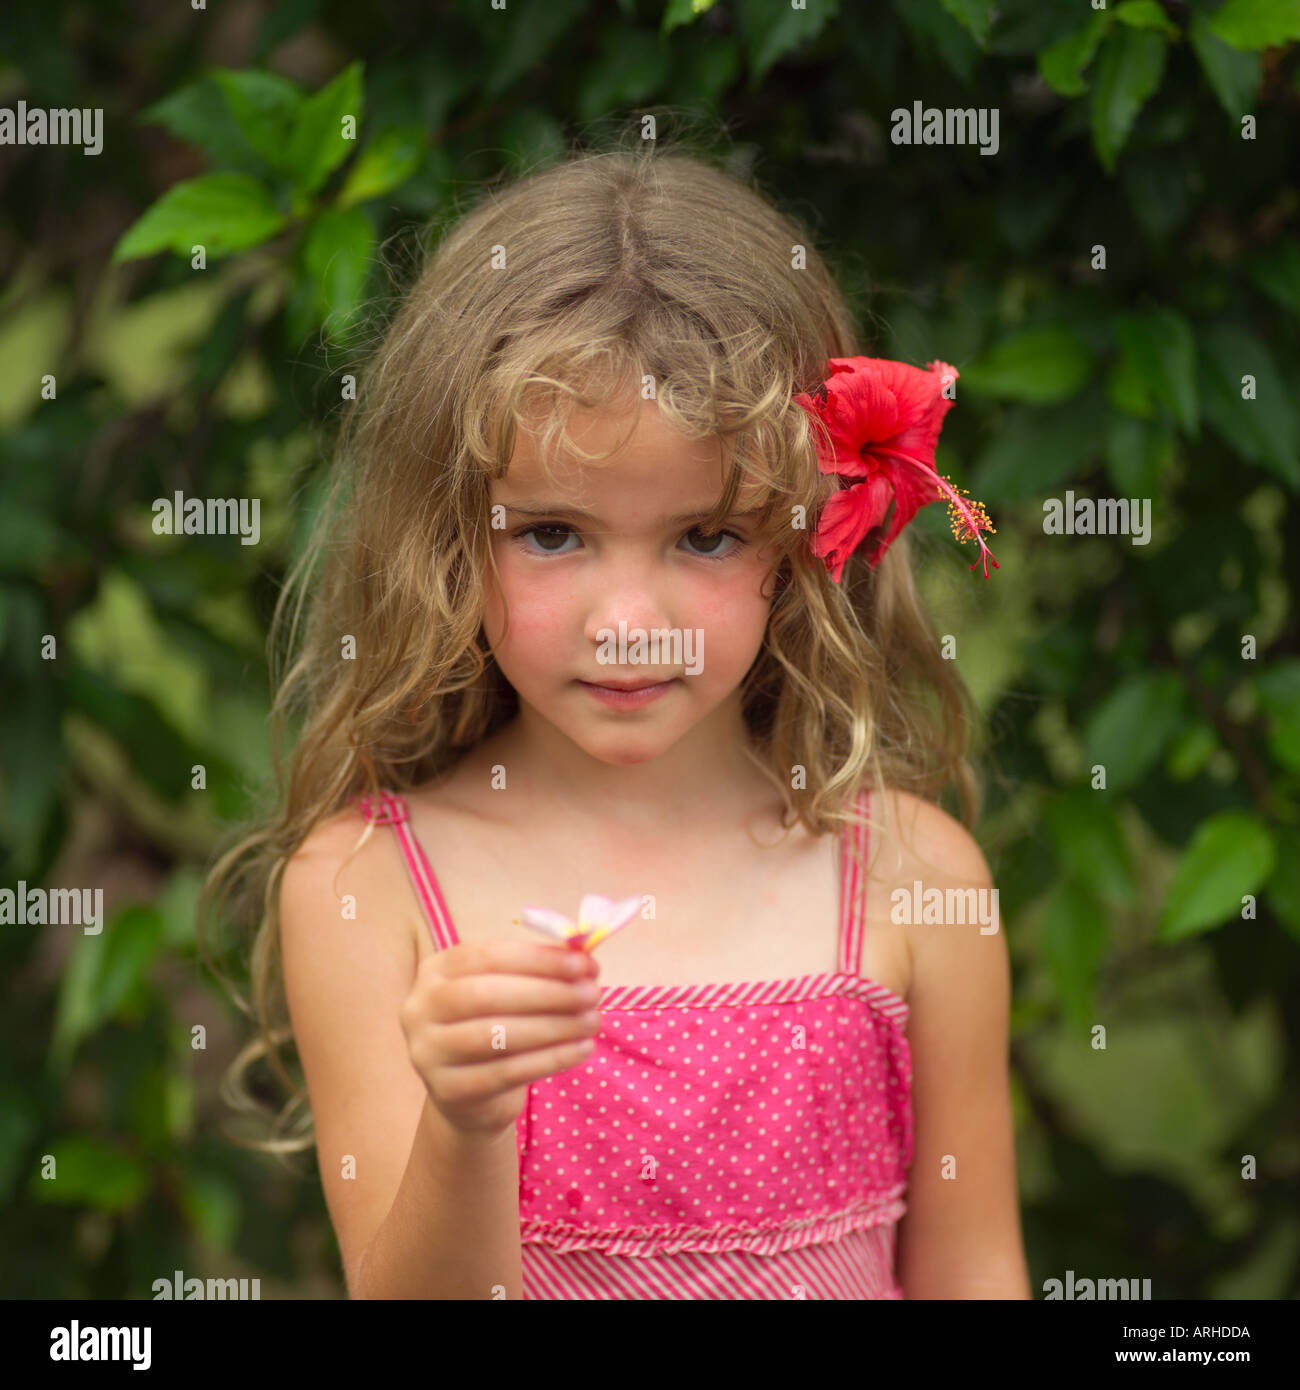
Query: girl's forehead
x=642 y=462
x=674 y=485
x=648 y=458
x=616 y=430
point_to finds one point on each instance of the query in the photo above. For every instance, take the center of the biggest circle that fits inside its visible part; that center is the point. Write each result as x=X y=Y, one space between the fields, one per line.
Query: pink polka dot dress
x=723 y=1141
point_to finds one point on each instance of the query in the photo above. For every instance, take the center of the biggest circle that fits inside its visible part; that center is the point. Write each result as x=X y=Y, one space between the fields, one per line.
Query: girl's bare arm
x=419 y=1211
x=960 y=1236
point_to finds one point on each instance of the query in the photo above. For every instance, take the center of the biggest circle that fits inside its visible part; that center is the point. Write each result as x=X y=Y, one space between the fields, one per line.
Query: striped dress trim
x=856 y=1267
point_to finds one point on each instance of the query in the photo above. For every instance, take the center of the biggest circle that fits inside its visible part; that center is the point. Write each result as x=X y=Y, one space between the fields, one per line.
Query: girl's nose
x=627 y=592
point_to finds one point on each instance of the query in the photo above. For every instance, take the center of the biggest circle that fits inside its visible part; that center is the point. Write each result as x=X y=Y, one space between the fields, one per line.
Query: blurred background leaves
x=1120 y=288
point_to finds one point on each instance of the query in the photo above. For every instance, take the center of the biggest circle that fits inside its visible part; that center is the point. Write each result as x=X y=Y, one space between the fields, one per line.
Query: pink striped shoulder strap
x=852 y=898
x=393 y=810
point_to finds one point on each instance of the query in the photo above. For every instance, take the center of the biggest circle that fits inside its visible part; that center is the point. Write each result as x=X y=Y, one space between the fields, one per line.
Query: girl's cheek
x=733 y=622
x=539 y=610
x=733 y=606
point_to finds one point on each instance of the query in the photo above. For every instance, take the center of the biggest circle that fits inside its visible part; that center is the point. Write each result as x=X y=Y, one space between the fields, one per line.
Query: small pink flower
x=598 y=917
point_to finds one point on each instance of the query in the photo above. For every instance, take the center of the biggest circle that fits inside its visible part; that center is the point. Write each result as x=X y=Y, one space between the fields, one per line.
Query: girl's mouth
x=624 y=698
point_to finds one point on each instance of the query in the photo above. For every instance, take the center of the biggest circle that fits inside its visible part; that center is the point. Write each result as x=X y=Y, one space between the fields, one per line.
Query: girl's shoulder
x=339 y=870
x=916 y=847
x=914 y=838
x=931 y=890
x=338 y=837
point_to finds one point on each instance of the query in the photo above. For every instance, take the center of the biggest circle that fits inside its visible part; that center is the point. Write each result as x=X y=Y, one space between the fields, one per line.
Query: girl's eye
x=549 y=530
x=555 y=532
x=713 y=540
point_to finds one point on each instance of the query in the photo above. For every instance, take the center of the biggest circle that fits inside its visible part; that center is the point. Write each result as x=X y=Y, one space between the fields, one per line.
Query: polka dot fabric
x=739 y=1140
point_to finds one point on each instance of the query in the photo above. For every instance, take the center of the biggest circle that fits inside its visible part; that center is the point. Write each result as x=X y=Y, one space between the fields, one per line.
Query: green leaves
x=1137 y=452
x=1146 y=14
x=1230 y=855
x=1191 y=750
x=1159 y=352
x=679 y=12
x=1257 y=23
x=1089 y=841
x=1129 y=70
x=220 y=212
x=29 y=541
x=335 y=258
x=1035 y=449
x=976 y=16
x=31 y=738
x=1041 y=365
x=1257 y=417
x=1233 y=75
x=1062 y=63
x=937 y=34
x=1130 y=729
x=772 y=31
x=1074 y=934
x=212 y=1206
x=1283 y=889
x=388 y=160
x=534 y=29
x=200 y=114
x=263 y=124
x=631 y=68
x=102 y=973
x=264 y=106
x=1279 y=693
x=88 y=1172
x=1276 y=270
x=325 y=130
x=294 y=143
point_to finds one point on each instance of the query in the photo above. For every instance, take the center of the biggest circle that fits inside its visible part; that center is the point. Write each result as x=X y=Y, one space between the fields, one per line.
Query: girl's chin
x=620 y=747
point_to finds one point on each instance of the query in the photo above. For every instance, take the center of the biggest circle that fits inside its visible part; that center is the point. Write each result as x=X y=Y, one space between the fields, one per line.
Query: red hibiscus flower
x=884 y=419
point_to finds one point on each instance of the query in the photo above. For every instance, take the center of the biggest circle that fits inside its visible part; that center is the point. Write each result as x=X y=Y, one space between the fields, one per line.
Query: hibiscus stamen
x=968 y=518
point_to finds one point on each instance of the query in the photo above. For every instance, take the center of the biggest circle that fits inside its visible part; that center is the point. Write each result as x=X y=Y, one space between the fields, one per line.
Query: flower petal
x=921 y=408
x=857 y=408
x=553 y=924
x=618 y=915
x=913 y=488
x=866 y=409
x=847 y=517
x=594 y=909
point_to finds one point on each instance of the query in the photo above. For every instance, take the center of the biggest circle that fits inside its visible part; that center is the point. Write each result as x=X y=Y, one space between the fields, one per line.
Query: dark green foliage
x=1160 y=903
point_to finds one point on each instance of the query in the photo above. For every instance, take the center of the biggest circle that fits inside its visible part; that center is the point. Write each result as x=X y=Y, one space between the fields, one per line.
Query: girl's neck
x=703 y=781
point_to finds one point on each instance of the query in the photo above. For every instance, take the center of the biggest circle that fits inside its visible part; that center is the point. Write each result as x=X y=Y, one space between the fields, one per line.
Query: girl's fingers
x=483 y=1041
x=461 y=1085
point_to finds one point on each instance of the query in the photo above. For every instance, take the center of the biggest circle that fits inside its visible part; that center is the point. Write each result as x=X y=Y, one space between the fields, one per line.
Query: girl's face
x=616 y=541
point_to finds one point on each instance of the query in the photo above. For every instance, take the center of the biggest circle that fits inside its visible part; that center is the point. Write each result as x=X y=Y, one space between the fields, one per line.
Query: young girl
x=615 y=600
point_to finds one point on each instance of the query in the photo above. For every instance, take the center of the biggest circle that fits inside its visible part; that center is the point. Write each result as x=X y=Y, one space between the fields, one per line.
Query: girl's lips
x=631 y=685
x=628 y=699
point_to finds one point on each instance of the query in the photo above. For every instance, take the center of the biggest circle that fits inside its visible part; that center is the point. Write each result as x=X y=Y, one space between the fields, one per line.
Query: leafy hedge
x=1119 y=286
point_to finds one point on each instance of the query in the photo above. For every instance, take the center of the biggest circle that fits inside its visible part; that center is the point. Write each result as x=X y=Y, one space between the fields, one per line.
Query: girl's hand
x=485 y=1019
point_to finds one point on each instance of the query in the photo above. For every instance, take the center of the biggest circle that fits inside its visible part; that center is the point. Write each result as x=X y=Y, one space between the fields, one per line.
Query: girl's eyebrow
x=531 y=509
